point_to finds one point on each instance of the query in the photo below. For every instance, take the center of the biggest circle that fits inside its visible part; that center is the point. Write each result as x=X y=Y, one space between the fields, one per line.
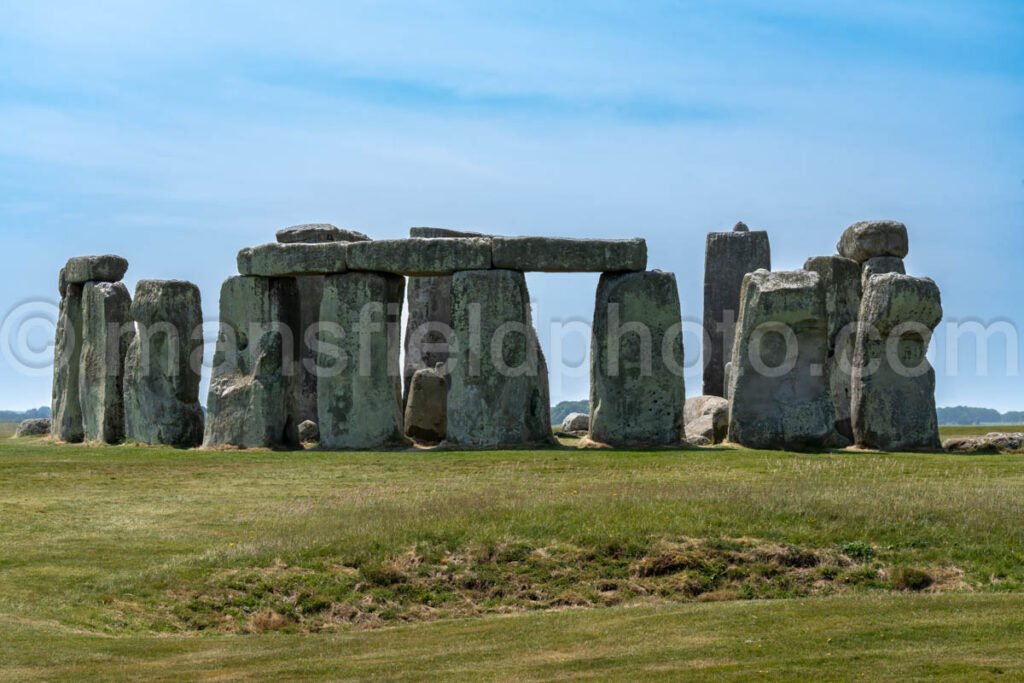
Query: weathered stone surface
x=728 y=257
x=66 y=406
x=309 y=432
x=780 y=393
x=426 y=413
x=893 y=397
x=707 y=418
x=82 y=269
x=840 y=278
x=499 y=382
x=318 y=233
x=576 y=423
x=868 y=239
x=286 y=260
x=637 y=393
x=993 y=442
x=106 y=333
x=254 y=367
x=443 y=232
x=161 y=382
x=360 y=386
x=35 y=427
x=566 y=255
x=420 y=255
x=879 y=265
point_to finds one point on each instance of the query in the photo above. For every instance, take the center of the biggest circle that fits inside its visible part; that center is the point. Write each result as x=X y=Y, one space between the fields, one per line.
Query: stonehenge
x=426 y=412
x=707 y=419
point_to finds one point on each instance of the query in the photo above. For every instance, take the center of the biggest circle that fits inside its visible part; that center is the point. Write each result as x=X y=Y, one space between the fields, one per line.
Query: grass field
x=131 y=562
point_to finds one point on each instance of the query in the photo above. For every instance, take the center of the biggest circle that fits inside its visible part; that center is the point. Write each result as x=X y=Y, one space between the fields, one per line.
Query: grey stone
x=82 y=269
x=499 y=379
x=66 y=406
x=866 y=239
x=254 y=367
x=993 y=442
x=707 y=419
x=309 y=432
x=286 y=260
x=35 y=427
x=780 y=393
x=637 y=392
x=107 y=332
x=566 y=255
x=893 y=397
x=879 y=265
x=318 y=233
x=740 y=227
x=728 y=257
x=426 y=412
x=840 y=278
x=161 y=382
x=443 y=232
x=420 y=255
x=576 y=423
x=360 y=386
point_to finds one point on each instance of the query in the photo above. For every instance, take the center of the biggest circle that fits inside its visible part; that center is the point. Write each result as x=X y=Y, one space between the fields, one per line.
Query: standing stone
x=637 y=393
x=868 y=239
x=840 y=278
x=893 y=382
x=161 y=383
x=67 y=407
x=707 y=418
x=360 y=386
x=781 y=397
x=254 y=367
x=106 y=333
x=426 y=413
x=728 y=257
x=879 y=265
x=499 y=379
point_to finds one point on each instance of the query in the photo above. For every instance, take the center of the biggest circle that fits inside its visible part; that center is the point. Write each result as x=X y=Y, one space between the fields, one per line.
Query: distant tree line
x=965 y=415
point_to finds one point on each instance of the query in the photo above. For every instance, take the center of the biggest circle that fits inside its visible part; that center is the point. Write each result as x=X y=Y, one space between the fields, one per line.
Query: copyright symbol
x=26 y=337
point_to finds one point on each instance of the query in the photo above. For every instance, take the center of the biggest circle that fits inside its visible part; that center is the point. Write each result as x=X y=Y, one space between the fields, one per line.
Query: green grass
x=974 y=430
x=136 y=562
x=7 y=429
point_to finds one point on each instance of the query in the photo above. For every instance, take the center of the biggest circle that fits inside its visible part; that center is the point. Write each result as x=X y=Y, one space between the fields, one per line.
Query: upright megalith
x=780 y=392
x=162 y=368
x=106 y=333
x=728 y=257
x=251 y=397
x=426 y=412
x=880 y=265
x=840 y=278
x=499 y=378
x=359 y=385
x=893 y=397
x=637 y=393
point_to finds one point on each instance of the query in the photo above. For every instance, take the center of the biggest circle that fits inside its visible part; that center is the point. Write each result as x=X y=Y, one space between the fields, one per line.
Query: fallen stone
x=499 y=379
x=66 y=407
x=707 y=418
x=893 y=396
x=637 y=393
x=421 y=256
x=254 y=367
x=993 y=442
x=426 y=412
x=318 y=233
x=868 y=239
x=576 y=423
x=360 y=385
x=286 y=260
x=879 y=265
x=565 y=255
x=82 y=269
x=728 y=257
x=309 y=432
x=780 y=393
x=162 y=367
x=106 y=334
x=34 y=427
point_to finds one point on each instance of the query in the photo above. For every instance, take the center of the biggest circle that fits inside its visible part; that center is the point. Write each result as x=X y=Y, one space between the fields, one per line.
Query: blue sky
x=175 y=133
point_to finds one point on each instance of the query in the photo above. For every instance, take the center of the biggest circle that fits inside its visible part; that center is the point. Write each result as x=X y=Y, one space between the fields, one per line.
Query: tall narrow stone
x=637 y=393
x=841 y=279
x=499 y=378
x=893 y=382
x=255 y=365
x=781 y=397
x=67 y=407
x=360 y=386
x=106 y=333
x=161 y=383
x=728 y=257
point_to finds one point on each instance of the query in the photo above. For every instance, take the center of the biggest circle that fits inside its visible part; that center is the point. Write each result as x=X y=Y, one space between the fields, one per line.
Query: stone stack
x=93 y=333
x=877 y=246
